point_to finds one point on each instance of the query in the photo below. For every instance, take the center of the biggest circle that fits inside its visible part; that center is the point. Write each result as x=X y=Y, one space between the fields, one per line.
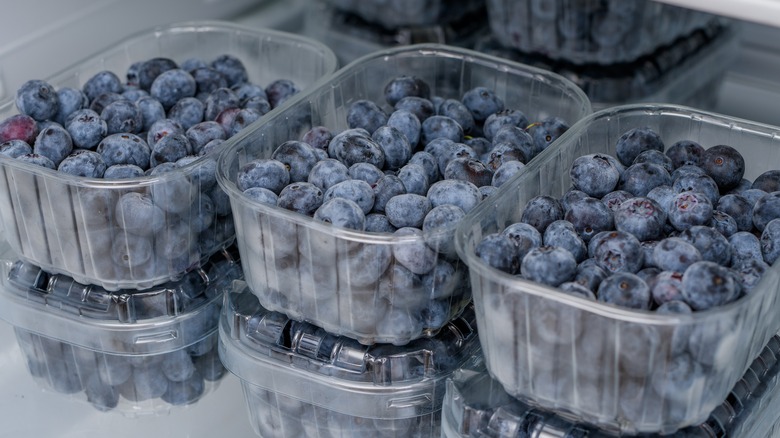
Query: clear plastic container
x=69 y=225
x=340 y=279
x=352 y=36
x=598 y=363
x=133 y=352
x=687 y=72
x=299 y=380
x=405 y=13
x=591 y=31
x=476 y=406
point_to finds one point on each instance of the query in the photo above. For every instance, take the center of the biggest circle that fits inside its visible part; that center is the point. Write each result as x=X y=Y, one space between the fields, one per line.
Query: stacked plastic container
x=604 y=365
x=126 y=316
x=618 y=52
x=355 y=28
x=343 y=283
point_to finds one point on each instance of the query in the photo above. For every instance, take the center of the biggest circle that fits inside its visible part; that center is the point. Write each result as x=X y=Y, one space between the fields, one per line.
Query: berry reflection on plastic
x=412 y=165
x=162 y=117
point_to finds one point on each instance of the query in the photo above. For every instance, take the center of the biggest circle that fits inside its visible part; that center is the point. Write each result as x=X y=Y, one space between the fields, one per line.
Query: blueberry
x=642 y=217
x=546 y=132
x=440 y=127
x=18 y=127
x=614 y=198
x=589 y=216
x=739 y=208
x=480 y=145
x=243 y=118
x=257 y=104
x=749 y=273
x=366 y=114
x=617 y=251
x=408 y=124
x=132 y=93
x=429 y=164
x=675 y=254
x=548 y=265
x=327 y=173
x=266 y=173
x=207 y=80
x=412 y=252
x=170 y=149
x=562 y=234
x=403 y=86
x=103 y=100
x=640 y=178
x=655 y=157
x=37 y=99
x=419 y=107
x=365 y=172
x=724 y=164
x=626 y=290
x=439 y=227
x=482 y=102
x=469 y=169
x=770 y=241
x=688 y=209
x=666 y=287
x=122 y=116
x=124 y=149
x=204 y=132
x=395 y=146
x=318 y=137
x=147 y=383
x=262 y=195
x=742 y=185
x=685 y=152
x=768 y=181
x=187 y=111
x=504 y=173
x=456 y=110
x=686 y=170
x=698 y=183
x=707 y=284
x=86 y=128
x=594 y=174
x=144 y=73
x=101 y=83
x=177 y=365
x=355 y=190
x=301 y=197
x=723 y=223
x=712 y=245
x=14 y=148
x=123 y=171
x=499 y=251
x=518 y=138
x=279 y=91
x=184 y=392
x=450 y=151
x=54 y=143
x=341 y=213
x=354 y=146
x=504 y=153
x=414 y=179
x=232 y=68
x=635 y=141
x=385 y=188
x=70 y=101
x=744 y=246
x=161 y=128
x=84 y=163
x=505 y=117
x=590 y=274
x=102 y=396
x=540 y=211
x=577 y=289
x=766 y=209
x=378 y=223
x=38 y=160
x=171 y=86
x=219 y=101
x=673 y=308
x=455 y=192
x=298 y=157
x=407 y=210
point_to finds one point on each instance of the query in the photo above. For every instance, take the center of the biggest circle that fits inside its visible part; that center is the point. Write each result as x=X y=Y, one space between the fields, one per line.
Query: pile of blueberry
x=411 y=167
x=115 y=369
x=678 y=231
x=162 y=118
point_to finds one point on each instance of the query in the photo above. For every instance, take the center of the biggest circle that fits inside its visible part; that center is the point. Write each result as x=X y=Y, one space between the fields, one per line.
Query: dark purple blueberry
x=84 y=163
x=640 y=178
x=318 y=137
x=666 y=287
x=548 y=265
x=724 y=164
x=766 y=209
x=144 y=73
x=232 y=68
x=642 y=217
x=101 y=83
x=742 y=185
x=187 y=111
x=161 y=128
x=257 y=103
x=655 y=157
x=590 y=216
x=18 y=127
x=768 y=181
x=686 y=170
x=504 y=173
x=594 y=174
x=71 y=100
x=207 y=80
x=170 y=149
x=688 y=209
x=675 y=254
x=457 y=111
x=53 y=142
x=517 y=137
x=723 y=223
x=122 y=116
x=546 y=132
x=712 y=245
x=739 y=208
x=770 y=241
x=571 y=196
x=617 y=251
x=266 y=173
x=353 y=146
x=86 y=128
x=562 y=234
x=469 y=169
x=707 y=284
x=171 y=86
x=636 y=141
x=507 y=116
x=685 y=152
x=403 y=86
x=103 y=100
x=14 y=148
x=366 y=114
x=279 y=91
x=480 y=145
x=503 y=153
x=524 y=236
x=218 y=101
x=301 y=197
x=299 y=158
x=625 y=290
x=590 y=274
x=419 y=107
x=498 y=251
x=395 y=146
x=385 y=188
x=540 y=211
x=37 y=99
x=440 y=127
x=202 y=133
x=454 y=192
x=245 y=117
x=482 y=102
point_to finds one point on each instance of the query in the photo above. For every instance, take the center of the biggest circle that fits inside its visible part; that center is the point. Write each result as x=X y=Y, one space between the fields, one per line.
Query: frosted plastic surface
x=68 y=224
x=329 y=276
x=601 y=364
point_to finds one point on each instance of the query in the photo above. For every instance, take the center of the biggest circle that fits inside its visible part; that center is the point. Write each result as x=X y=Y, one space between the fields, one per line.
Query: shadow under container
x=617 y=368
x=133 y=352
x=476 y=406
x=299 y=380
x=340 y=279
x=73 y=225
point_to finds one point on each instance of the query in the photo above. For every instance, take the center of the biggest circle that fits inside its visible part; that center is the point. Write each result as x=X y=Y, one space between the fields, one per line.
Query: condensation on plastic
x=67 y=224
x=601 y=364
x=590 y=31
x=296 y=375
x=312 y=271
x=476 y=406
x=403 y=13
